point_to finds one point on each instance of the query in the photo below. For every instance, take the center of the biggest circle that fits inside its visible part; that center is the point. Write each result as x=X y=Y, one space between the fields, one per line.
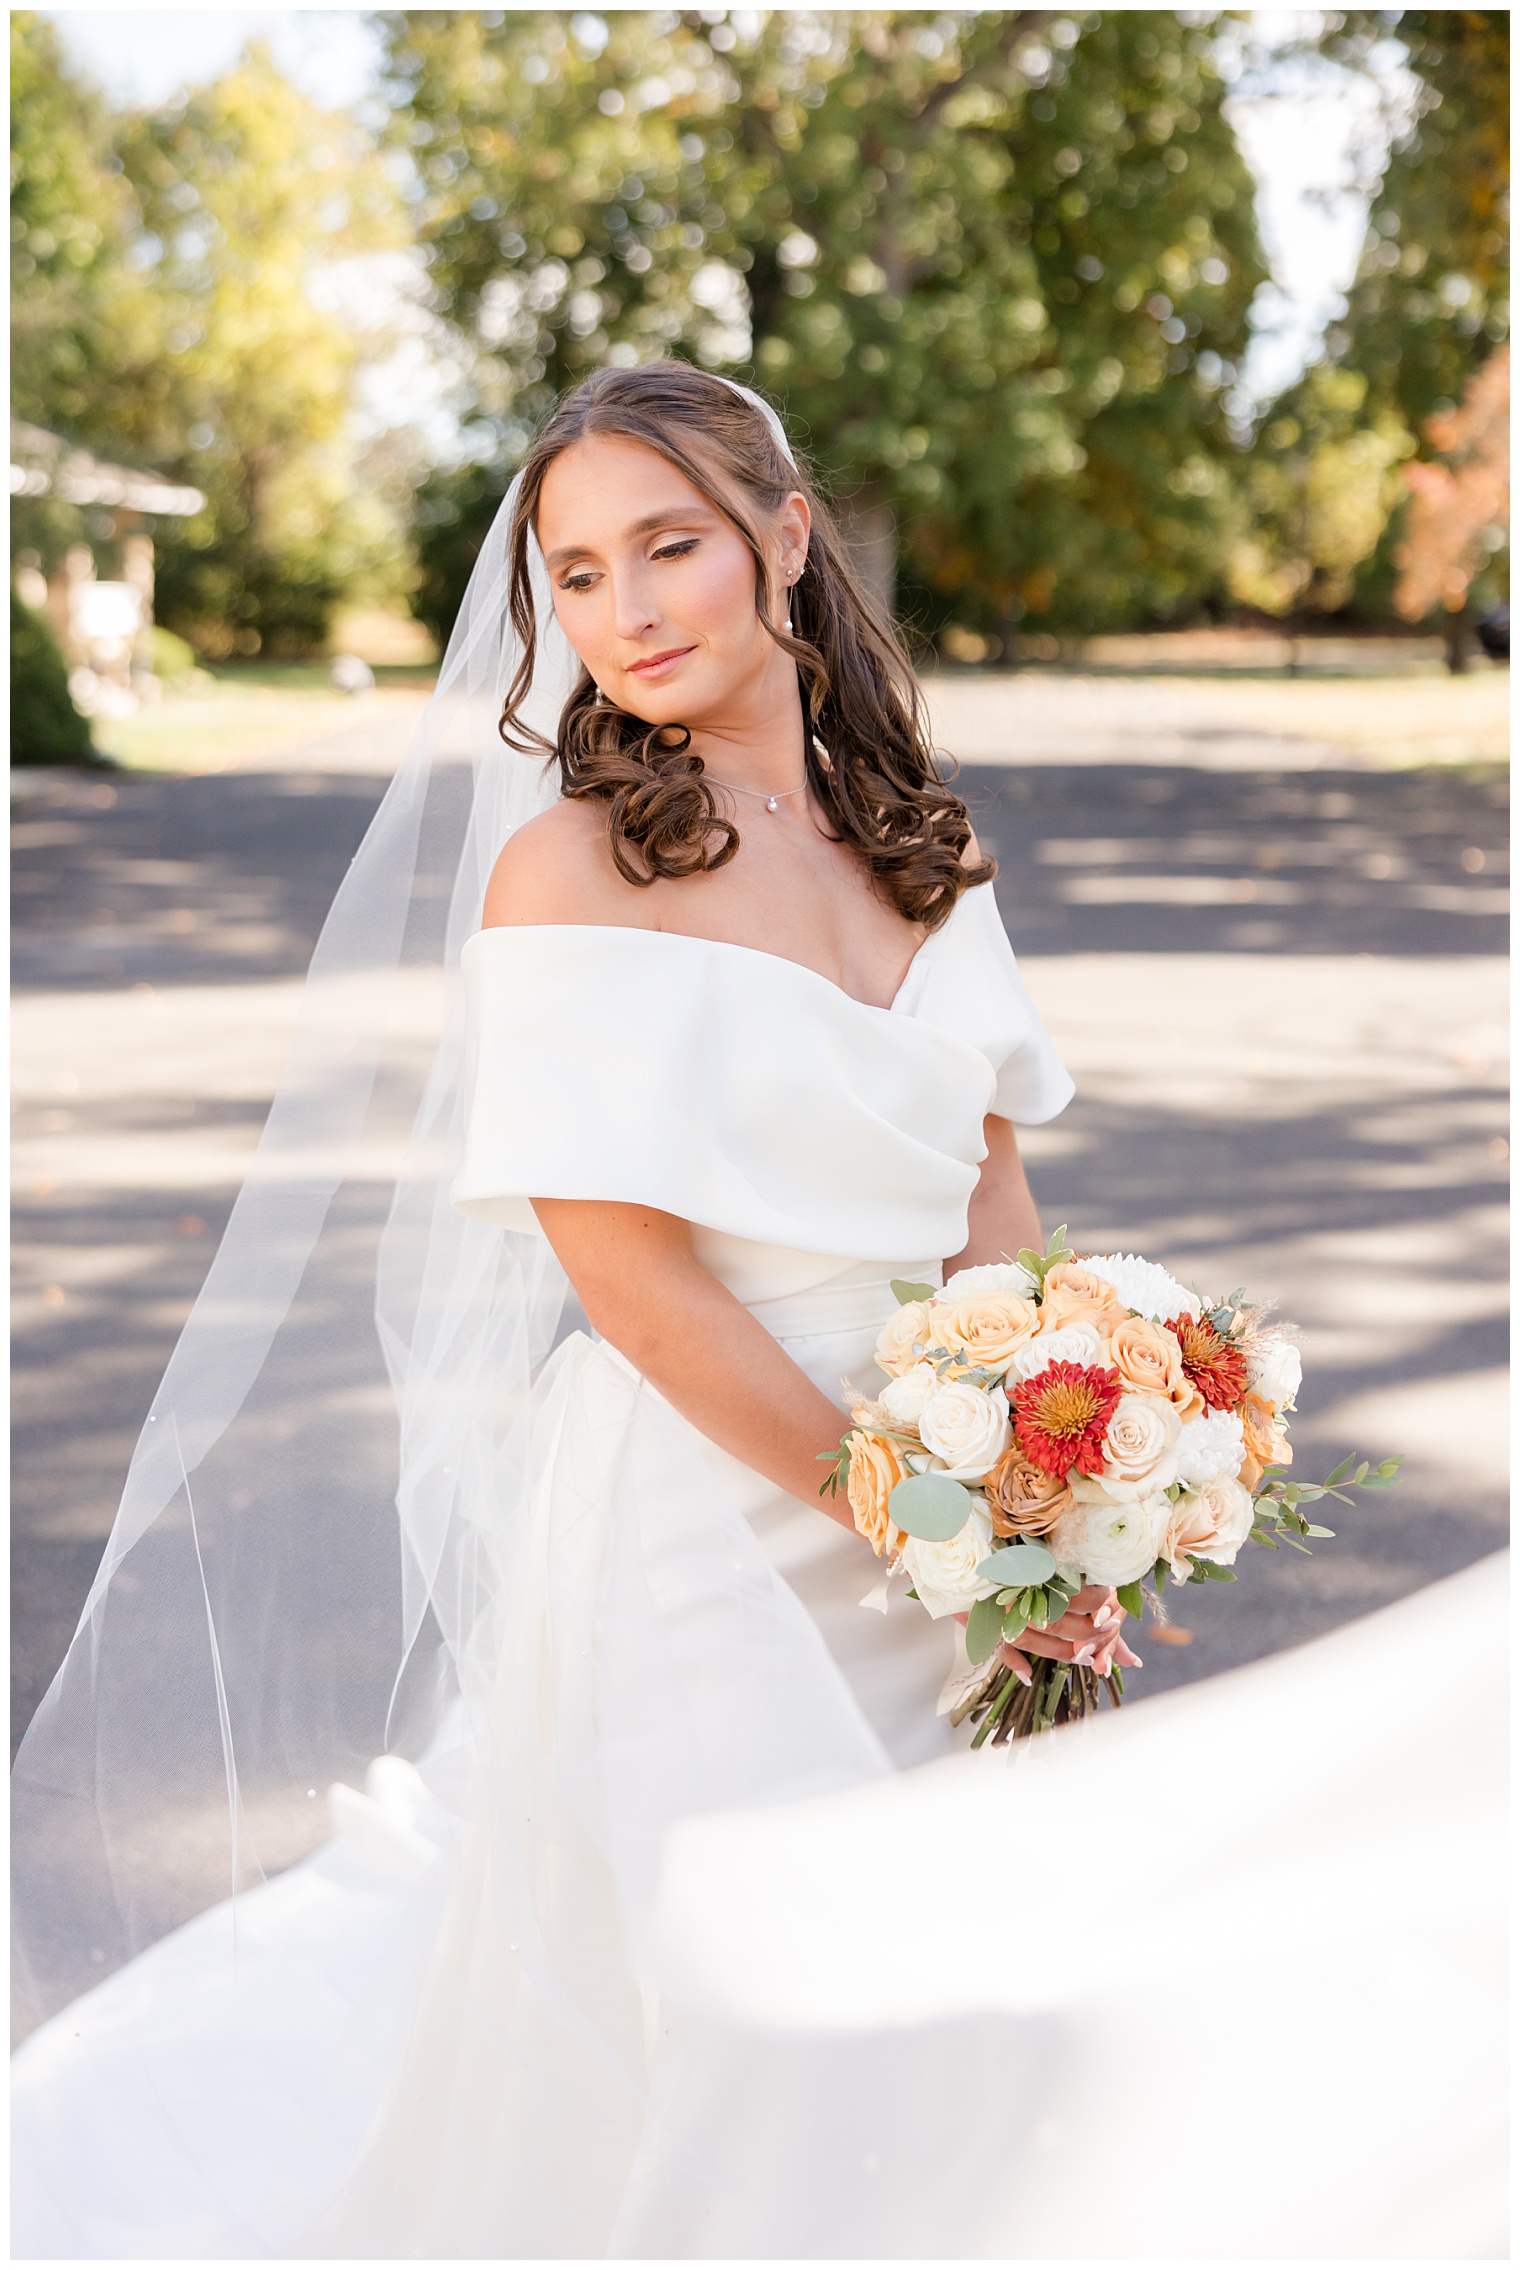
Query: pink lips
x=657 y=664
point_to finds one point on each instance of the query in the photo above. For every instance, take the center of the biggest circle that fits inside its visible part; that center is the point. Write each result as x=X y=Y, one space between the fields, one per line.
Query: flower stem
x=994 y=1711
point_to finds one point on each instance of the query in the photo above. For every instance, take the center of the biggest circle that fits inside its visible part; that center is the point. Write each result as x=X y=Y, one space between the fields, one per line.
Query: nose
x=634 y=610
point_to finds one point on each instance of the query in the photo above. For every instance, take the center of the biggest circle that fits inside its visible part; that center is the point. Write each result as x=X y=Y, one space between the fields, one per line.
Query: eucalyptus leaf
x=930 y=1507
x=1024 y=1563
x=903 y=1292
x=1314 y=1530
x=984 y=1628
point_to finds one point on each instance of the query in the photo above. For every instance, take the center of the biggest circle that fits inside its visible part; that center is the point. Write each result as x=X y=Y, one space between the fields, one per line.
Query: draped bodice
x=744 y=1092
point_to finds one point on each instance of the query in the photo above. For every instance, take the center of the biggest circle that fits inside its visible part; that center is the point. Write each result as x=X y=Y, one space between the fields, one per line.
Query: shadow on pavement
x=144 y=881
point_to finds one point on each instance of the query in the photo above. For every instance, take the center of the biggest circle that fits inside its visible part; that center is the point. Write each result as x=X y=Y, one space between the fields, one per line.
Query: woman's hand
x=1090 y=1634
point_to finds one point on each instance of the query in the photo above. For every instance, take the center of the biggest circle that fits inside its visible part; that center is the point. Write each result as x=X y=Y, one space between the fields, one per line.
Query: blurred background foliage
x=996 y=268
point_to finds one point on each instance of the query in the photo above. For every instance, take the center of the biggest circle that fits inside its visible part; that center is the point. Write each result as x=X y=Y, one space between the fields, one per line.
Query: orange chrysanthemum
x=1061 y=1416
x=1214 y=1364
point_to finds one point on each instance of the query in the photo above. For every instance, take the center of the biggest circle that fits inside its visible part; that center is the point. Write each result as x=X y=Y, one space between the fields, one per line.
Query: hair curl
x=870 y=763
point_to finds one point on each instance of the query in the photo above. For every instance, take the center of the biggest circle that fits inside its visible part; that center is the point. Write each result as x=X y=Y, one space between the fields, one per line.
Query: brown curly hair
x=869 y=760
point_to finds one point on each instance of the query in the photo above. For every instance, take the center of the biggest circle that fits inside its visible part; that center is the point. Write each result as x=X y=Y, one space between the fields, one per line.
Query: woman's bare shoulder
x=557 y=868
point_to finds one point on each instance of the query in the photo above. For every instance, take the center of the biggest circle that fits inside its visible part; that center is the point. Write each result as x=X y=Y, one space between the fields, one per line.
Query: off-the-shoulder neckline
x=727 y=946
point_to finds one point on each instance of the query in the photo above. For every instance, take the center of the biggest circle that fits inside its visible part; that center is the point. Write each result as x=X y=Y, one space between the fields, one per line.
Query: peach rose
x=1211 y=1523
x=1022 y=1499
x=1267 y=1443
x=1074 y=1295
x=902 y=1336
x=985 y=1328
x=875 y=1471
x=1147 y=1358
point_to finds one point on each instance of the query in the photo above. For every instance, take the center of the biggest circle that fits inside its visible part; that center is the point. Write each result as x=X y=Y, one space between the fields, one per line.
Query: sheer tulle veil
x=260 y=1626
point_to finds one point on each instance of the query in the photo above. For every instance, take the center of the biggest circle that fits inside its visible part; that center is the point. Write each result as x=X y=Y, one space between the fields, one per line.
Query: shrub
x=46 y=728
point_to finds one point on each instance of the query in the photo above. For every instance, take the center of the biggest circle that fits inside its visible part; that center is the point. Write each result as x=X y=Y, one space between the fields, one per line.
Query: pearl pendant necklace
x=772 y=803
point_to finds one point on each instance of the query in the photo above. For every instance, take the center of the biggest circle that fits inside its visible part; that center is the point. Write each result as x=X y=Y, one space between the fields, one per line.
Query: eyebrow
x=645 y=527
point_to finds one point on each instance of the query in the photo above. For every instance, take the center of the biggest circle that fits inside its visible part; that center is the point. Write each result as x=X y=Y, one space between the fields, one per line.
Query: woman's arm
x=643 y=1289
x=1001 y=1216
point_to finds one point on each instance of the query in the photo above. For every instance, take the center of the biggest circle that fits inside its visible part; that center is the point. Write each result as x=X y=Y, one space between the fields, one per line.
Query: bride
x=731 y=1037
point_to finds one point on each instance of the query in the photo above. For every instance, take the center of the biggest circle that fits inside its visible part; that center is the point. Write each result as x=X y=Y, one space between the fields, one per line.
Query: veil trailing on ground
x=257 y=1629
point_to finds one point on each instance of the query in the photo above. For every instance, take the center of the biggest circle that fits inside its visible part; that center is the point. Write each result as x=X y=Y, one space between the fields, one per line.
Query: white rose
x=991 y=1277
x=944 y=1576
x=966 y=1427
x=1209 y=1447
x=898 y=1341
x=903 y=1400
x=1139 y=1450
x=1275 y=1370
x=1209 y=1524
x=1106 y=1543
x=1073 y=1344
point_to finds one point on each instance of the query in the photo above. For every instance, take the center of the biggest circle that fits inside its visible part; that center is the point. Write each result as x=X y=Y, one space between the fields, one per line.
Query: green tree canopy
x=1426 y=312
x=1431 y=297
x=74 y=295
x=179 y=306
x=994 y=266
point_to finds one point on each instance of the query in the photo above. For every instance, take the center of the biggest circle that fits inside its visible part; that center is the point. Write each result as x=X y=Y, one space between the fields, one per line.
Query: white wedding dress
x=655 y=1952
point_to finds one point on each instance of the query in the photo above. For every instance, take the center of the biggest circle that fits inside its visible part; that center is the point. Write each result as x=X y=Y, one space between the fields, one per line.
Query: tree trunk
x=1458 y=628
x=870 y=537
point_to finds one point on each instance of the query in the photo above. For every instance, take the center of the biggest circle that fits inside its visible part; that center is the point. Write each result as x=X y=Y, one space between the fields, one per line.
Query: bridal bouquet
x=1051 y=1423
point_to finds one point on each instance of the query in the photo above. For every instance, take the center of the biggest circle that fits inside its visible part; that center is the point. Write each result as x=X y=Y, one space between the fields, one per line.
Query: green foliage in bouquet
x=1039 y=1265
x=1278 y=1500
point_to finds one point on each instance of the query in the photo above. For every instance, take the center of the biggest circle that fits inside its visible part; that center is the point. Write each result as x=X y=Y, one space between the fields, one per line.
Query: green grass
x=248 y=711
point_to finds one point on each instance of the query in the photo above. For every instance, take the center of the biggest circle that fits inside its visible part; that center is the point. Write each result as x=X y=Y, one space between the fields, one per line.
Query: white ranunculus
x=1107 y=1543
x=991 y=1277
x=1210 y=1446
x=944 y=1576
x=1144 y=1286
x=904 y=1399
x=1073 y=1344
x=1275 y=1370
x=966 y=1427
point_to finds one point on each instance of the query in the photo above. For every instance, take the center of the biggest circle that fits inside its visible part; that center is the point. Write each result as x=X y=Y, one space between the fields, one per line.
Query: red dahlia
x=1061 y=1416
x=1214 y=1364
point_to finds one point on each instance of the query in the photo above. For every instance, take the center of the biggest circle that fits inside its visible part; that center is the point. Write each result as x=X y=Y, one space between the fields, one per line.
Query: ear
x=794 y=525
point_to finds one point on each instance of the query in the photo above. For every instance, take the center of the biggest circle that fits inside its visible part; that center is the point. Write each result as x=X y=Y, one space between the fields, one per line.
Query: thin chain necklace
x=772 y=803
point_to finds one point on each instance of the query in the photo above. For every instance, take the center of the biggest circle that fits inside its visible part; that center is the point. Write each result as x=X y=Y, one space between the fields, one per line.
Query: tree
x=1458 y=516
x=1324 y=481
x=1430 y=300
x=1423 y=318
x=179 y=303
x=74 y=295
x=250 y=198
x=994 y=265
